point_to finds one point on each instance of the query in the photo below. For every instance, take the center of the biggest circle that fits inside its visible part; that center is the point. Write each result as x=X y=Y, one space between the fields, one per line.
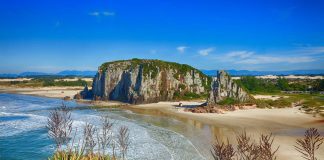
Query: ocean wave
x=15 y=123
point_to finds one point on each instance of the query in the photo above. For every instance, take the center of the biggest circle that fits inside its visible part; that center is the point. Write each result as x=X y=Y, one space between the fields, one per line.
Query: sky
x=55 y=35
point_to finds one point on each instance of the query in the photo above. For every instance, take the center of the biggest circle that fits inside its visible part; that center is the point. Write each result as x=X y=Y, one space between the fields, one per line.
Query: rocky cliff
x=223 y=87
x=144 y=81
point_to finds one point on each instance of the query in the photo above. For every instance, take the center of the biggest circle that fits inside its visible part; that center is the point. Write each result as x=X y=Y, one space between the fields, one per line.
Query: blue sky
x=55 y=35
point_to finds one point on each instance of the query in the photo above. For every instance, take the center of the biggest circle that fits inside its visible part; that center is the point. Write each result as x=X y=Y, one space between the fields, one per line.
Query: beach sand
x=51 y=92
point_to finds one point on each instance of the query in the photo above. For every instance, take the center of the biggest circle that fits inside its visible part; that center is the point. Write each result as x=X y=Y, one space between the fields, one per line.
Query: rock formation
x=144 y=81
x=224 y=87
x=84 y=94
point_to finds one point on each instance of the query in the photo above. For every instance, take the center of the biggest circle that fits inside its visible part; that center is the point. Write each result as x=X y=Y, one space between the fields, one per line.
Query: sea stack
x=139 y=81
x=223 y=86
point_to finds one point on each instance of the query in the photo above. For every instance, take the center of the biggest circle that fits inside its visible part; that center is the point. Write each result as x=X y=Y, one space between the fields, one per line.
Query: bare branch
x=266 y=143
x=59 y=125
x=123 y=140
x=246 y=148
x=309 y=144
x=222 y=151
x=89 y=140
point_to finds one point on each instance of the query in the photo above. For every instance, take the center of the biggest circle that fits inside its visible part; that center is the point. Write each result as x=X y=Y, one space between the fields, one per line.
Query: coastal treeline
x=46 y=82
x=258 y=85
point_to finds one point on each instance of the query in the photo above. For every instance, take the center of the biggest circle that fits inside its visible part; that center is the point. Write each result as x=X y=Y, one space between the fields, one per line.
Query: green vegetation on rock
x=188 y=96
x=228 y=101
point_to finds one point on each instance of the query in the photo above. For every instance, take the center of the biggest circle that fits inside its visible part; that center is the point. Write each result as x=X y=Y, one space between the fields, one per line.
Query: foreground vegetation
x=247 y=149
x=94 y=143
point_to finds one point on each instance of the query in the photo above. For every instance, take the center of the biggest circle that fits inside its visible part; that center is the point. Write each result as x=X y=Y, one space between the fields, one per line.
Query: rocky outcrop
x=144 y=81
x=84 y=94
x=223 y=87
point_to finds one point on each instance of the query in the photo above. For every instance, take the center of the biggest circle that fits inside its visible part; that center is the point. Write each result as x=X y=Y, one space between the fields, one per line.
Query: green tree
x=283 y=84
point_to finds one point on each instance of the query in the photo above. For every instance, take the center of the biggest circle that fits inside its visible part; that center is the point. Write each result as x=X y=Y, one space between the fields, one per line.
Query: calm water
x=23 y=134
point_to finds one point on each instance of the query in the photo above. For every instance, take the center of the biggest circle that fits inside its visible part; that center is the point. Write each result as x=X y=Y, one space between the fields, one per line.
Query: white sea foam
x=23 y=123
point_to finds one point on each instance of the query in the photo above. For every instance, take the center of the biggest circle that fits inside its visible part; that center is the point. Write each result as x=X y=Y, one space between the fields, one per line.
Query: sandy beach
x=287 y=124
x=51 y=92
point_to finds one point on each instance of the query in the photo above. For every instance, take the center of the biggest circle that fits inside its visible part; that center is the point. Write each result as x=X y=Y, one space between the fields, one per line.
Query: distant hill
x=8 y=75
x=207 y=72
x=62 y=73
x=27 y=74
x=262 y=73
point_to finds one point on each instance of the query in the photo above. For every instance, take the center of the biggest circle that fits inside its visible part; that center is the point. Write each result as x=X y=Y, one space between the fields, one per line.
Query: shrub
x=228 y=101
x=191 y=95
x=222 y=151
x=59 y=125
x=93 y=143
x=309 y=144
x=280 y=103
x=246 y=148
x=182 y=86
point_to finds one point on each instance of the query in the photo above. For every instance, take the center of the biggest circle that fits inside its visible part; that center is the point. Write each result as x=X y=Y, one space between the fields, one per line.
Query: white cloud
x=205 y=52
x=311 y=50
x=252 y=58
x=105 y=13
x=94 y=14
x=239 y=54
x=275 y=59
x=108 y=13
x=182 y=49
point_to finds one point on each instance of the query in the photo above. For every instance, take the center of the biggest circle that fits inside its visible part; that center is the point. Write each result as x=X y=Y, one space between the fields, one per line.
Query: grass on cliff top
x=152 y=64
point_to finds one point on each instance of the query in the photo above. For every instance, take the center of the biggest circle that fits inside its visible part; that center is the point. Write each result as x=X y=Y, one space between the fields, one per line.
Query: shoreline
x=49 y=92
x=287 y=124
